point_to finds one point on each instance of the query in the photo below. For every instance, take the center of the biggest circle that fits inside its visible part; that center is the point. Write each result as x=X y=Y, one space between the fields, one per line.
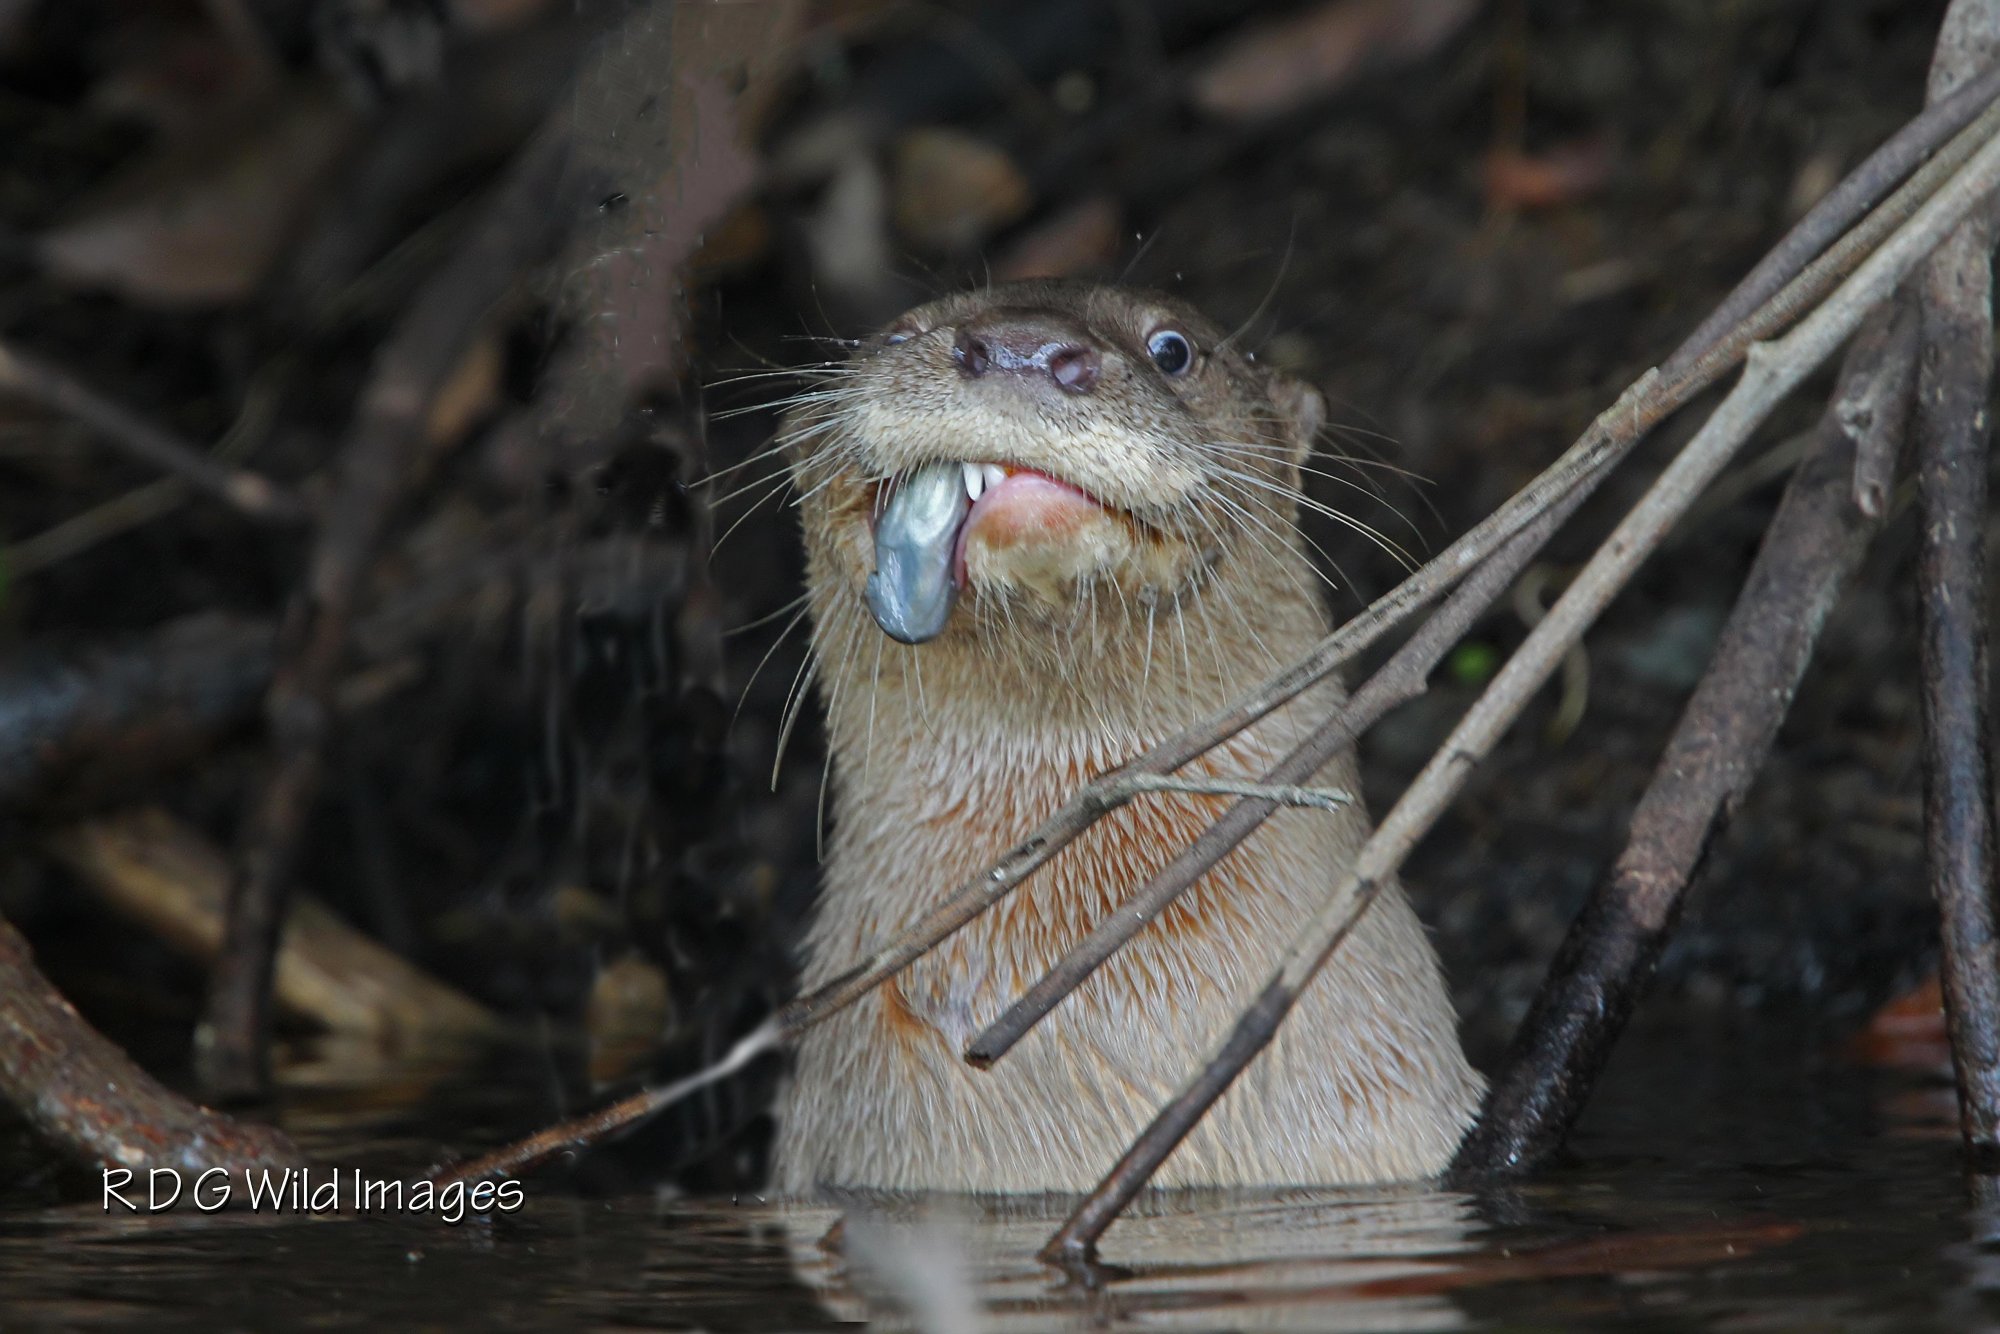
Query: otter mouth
x=920 y=536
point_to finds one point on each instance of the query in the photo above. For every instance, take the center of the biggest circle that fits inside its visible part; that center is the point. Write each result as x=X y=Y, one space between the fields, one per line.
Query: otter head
x=1027 y=452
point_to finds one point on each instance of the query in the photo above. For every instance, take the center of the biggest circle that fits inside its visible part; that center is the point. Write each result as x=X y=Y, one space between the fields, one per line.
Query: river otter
x=1047 y=525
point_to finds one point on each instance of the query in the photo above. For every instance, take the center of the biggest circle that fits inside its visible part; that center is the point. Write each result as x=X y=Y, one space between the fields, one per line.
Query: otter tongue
x=916 y=540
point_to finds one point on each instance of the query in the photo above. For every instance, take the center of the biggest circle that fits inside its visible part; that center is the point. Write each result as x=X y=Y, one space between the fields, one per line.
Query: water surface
x=1739 y=1177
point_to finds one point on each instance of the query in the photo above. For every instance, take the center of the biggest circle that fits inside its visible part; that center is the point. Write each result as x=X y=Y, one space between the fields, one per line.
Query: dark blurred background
x=548 y=781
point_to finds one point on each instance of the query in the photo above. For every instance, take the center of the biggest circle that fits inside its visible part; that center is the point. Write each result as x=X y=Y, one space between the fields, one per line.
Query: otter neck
x=1102 y=687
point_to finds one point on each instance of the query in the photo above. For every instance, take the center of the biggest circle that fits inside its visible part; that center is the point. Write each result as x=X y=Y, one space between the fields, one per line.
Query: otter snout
x=1029 y=343
x=1030 y=454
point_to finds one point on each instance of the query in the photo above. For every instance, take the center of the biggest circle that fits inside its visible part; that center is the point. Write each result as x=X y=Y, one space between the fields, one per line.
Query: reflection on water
x=1724 y=1181
x=1324 y=1260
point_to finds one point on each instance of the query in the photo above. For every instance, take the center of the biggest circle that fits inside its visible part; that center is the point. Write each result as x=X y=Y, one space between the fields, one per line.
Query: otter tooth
x=975 y=480
x=916 y=549
x=994 y=473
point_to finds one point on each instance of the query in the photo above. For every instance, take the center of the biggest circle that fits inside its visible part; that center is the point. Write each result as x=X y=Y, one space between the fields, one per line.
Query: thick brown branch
x=1954 y=382
x=75 y=1087
x=74 y=721
x=1812 y=548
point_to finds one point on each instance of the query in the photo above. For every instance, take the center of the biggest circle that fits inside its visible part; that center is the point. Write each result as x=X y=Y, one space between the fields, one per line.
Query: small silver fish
x=916 y=538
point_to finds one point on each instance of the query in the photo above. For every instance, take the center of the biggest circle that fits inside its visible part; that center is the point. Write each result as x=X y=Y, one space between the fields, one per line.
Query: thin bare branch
x=59 y=391
x=1396 y=682
x=1643 y=405
x=1771 y=371
x=1836 y=212
x=1815 y=543
x=100 y=523
x=1284 y=794
x=1809 y=289
x=1609 y=439
x=1800 y=278
x=593 y=1127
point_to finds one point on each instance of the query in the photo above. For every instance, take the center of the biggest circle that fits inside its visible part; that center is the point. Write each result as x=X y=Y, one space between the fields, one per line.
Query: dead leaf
x=468 y=395
x=952 y=191
x=490 y=16
x=738 y=242
x=1908 y=1033
x=850 y=21
x=177 y=69
x=162 y=874
x=1284 y=64
x=1081 y=238
x=202 y=223
x=630 y=1006
x=1817 y=175
x=1562 y=175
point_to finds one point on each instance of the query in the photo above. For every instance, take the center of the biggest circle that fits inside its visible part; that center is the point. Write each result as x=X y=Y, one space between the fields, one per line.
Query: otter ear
x=1303 y=406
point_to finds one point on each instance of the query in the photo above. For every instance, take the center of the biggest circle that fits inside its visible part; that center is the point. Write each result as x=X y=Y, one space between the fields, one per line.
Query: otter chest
x=934 y=826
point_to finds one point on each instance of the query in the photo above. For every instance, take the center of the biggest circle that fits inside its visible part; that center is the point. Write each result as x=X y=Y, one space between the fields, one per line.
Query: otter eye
x=1170 y=351
x=898 y=333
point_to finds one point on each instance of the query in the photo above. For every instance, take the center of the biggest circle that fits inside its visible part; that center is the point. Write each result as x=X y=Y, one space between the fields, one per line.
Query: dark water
x=1743 y=1178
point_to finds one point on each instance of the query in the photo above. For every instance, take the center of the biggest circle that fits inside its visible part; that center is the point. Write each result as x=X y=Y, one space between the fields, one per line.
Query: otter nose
x=1028 y=343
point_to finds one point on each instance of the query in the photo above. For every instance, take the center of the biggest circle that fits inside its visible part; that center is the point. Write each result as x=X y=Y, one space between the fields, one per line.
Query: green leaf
x=1473 y=664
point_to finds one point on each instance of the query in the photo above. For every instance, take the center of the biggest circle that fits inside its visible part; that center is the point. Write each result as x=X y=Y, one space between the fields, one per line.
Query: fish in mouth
x=1048 y=450
x=920 y=536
